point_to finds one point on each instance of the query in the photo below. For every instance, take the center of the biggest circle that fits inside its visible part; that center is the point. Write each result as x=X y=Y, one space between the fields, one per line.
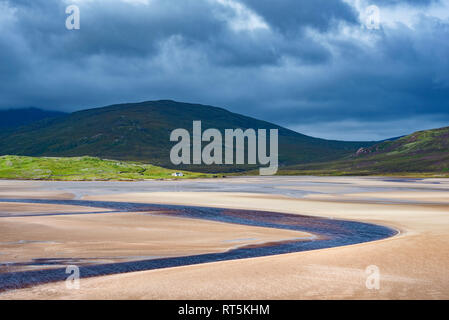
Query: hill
x=14 y=118
x=141 y=131
x=82 y=169
x=423 y=153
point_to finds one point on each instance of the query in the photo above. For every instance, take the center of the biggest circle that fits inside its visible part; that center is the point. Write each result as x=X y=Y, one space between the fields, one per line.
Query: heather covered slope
x=421 y=153
x=141 y=131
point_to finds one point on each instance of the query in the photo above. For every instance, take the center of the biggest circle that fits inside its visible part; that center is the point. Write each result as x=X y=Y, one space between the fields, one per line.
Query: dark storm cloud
x=292 y=15
x=304 y=64
x=409 y=2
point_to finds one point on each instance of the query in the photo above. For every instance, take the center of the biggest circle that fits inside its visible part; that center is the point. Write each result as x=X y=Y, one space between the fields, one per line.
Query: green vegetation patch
x=84 y=169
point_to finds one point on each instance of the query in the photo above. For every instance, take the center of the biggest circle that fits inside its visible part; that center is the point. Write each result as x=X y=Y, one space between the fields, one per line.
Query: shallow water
x=295 y=187
x=329 y=232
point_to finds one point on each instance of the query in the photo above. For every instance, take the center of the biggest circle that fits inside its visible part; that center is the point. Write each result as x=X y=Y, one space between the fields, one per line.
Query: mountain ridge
x=11 y=119
x=140 y=132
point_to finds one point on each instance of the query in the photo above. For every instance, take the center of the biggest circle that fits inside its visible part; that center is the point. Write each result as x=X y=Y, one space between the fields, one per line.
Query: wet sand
x=413 y=265
x=92 y=236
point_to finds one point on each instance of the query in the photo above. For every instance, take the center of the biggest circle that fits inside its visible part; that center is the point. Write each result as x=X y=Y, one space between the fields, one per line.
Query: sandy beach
x=413 y=264
x=91 y=236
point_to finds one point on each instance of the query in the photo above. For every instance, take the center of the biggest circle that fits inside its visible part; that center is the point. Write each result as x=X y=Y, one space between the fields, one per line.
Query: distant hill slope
x=423 y=152
x=141 y=131
x=14 y=118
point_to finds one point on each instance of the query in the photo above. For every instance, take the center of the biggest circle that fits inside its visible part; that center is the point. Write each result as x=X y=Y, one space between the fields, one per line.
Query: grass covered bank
x=83 y=169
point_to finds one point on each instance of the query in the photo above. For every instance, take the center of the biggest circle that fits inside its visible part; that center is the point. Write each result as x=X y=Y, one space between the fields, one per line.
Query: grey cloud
x=409 y=2
x=184 y=50
x=292 y=16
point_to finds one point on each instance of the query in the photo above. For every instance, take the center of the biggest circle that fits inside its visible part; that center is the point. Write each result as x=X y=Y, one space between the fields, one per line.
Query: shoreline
x=230 y=175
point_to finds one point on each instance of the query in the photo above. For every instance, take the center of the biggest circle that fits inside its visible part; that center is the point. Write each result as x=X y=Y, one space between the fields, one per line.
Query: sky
x=335 y=69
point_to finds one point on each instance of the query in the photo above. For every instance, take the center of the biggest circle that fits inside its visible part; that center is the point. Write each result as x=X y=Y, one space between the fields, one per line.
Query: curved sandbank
x=412 y=265
x=328 y=233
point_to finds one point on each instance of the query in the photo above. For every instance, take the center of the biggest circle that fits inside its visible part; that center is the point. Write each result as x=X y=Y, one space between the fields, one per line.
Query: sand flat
x=103 y=237
x=419 y=196
x=17 y=209
x=413 y=265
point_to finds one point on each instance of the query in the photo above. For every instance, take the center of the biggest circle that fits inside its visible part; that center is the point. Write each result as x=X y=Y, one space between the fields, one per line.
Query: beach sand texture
x=412 y=265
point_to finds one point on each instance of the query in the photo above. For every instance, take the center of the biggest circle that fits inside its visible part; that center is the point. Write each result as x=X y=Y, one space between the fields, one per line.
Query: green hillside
x=82 y=169
x=141 y=131
x=423 y=153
